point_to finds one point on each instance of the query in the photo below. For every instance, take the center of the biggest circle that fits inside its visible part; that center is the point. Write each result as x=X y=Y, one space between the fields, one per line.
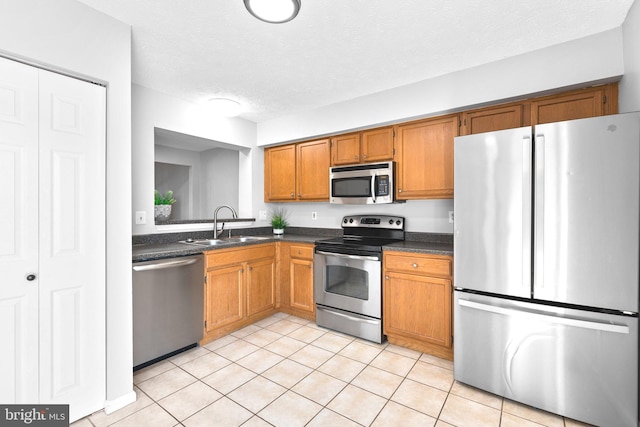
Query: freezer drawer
x=583 y=365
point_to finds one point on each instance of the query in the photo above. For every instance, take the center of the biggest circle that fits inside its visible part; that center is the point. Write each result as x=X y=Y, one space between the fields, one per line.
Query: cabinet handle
x=364 y=156
x=30 y=277
x=399 y=190
x=386 y=277
x=293 y=195
x=414 y=265
x=355 y=157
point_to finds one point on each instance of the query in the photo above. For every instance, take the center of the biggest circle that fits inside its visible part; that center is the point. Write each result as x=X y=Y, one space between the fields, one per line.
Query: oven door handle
x=358 y=257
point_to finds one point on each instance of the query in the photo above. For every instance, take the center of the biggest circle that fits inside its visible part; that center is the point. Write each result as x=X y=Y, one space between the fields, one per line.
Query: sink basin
x=245 y=239
x=206 y=242
x=228 y=241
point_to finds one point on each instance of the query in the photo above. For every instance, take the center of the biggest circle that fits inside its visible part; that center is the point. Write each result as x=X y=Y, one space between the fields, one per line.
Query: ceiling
x=336 y=50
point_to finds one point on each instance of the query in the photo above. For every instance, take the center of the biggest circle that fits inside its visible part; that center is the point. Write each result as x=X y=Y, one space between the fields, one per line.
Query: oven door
x=350 y=282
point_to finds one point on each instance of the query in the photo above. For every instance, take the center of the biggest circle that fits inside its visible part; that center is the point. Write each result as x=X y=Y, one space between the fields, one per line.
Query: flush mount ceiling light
x=273 y=11
x=224 y=107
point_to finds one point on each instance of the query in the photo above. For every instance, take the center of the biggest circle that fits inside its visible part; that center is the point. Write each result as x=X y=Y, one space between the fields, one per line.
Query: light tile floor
x=287 y=371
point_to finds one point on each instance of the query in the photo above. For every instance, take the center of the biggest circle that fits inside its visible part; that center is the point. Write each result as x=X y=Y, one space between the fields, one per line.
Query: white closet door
x=72 y=243
x=18 y=232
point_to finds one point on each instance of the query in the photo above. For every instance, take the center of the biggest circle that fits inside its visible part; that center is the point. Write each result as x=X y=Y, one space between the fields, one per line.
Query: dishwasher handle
x=165 y=264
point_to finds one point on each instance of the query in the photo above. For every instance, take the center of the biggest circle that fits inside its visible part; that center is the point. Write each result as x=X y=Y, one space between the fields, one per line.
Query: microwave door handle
x=373 y=188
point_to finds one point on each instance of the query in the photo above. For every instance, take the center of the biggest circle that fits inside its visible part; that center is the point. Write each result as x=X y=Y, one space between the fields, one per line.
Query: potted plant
x=278 y=221
x=163 y=202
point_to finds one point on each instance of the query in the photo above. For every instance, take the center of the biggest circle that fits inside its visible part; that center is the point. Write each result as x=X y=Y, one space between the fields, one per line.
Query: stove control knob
x=398 y=222
x=351 y=220
x=344 y=220
x=390 y=222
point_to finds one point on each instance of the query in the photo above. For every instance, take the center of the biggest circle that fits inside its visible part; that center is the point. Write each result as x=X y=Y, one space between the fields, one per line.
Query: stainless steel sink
x=245 y=238
x=218 y=242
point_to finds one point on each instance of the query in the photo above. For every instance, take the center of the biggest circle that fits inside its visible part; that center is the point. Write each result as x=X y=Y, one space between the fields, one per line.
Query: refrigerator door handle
x=526 y=211
x=566 y=321
x=538 y=238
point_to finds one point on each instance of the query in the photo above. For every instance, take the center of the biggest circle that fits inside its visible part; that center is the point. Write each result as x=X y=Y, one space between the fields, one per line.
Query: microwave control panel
x=382 y=185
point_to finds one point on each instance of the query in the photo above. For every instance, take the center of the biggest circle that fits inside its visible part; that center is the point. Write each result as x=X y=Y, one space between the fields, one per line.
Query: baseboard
x=119 y=403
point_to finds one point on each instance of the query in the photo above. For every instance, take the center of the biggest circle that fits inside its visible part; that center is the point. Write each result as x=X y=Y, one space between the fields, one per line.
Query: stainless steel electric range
x=348 y=275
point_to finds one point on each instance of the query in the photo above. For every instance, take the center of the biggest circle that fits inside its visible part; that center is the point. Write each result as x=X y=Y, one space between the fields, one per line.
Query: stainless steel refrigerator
x=546 y=254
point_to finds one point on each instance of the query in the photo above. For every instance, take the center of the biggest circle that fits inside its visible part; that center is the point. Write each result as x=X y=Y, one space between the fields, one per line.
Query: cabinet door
x=377 y=145
x=575 y=105
x=424 y=156
x=345 y=149
x=280 y=173
x=313 y=159
x=224 y=297
x=418 y=307
x=261 y=294
x=301 y=285
x=492 y=119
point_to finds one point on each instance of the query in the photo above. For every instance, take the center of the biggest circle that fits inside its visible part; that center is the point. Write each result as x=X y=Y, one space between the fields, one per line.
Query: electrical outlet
x=450 y=217
x=141 y=217
x=314 y=215
x=263 y=215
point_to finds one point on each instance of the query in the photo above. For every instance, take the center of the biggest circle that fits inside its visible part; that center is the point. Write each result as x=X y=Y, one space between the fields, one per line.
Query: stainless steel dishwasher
x=168 y=300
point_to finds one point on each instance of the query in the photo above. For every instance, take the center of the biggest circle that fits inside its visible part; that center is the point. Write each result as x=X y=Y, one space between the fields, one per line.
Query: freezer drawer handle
x=165 y=264
x=606 y=327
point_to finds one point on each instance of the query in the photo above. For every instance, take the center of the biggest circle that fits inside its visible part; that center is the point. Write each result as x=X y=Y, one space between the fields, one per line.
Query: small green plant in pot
x=279 y=221
x=163 y=202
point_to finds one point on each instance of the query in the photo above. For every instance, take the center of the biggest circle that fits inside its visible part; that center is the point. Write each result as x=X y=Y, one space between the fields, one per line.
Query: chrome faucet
x=215 y=220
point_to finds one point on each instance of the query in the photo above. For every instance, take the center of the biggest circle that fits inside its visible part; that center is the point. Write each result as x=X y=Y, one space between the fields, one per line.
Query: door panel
x=578 y=364
x=587 y=204
x=19 y=231
x=72 y=242
x=492 y=237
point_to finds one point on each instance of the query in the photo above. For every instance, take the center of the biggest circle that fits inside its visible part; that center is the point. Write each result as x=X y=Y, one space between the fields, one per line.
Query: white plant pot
x=162 y=212
x=278 y=231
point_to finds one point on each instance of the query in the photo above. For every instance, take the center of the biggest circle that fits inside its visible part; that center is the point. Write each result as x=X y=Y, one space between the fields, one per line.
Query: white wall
x=590 y=59
x=152 y=109
x=70 y=37
x=630 y=83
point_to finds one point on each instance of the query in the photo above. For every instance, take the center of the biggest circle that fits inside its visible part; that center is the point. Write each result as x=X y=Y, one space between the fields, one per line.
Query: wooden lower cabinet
x=296 y=279
x=239 y=288
x=417 y=301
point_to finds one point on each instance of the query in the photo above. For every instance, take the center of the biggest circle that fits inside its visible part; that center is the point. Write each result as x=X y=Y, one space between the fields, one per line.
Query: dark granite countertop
x=432 y=248
x=167 y=245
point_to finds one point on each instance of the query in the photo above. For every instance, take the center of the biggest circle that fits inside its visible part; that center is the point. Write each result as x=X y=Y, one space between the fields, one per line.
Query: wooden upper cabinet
x=424 y=158
x=295 y=172
x=375 y=145
x=579 y=104
x=280 y=173
x=345 y=149
x=312 y=166
x=494 y=118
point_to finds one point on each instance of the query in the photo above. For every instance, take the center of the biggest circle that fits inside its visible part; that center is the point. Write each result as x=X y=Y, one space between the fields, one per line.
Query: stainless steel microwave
x=362 y=184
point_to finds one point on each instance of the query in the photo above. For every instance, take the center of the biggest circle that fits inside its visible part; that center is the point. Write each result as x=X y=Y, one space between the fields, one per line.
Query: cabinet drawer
x=418 y=264
x=300 y=251
x=221 y=257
